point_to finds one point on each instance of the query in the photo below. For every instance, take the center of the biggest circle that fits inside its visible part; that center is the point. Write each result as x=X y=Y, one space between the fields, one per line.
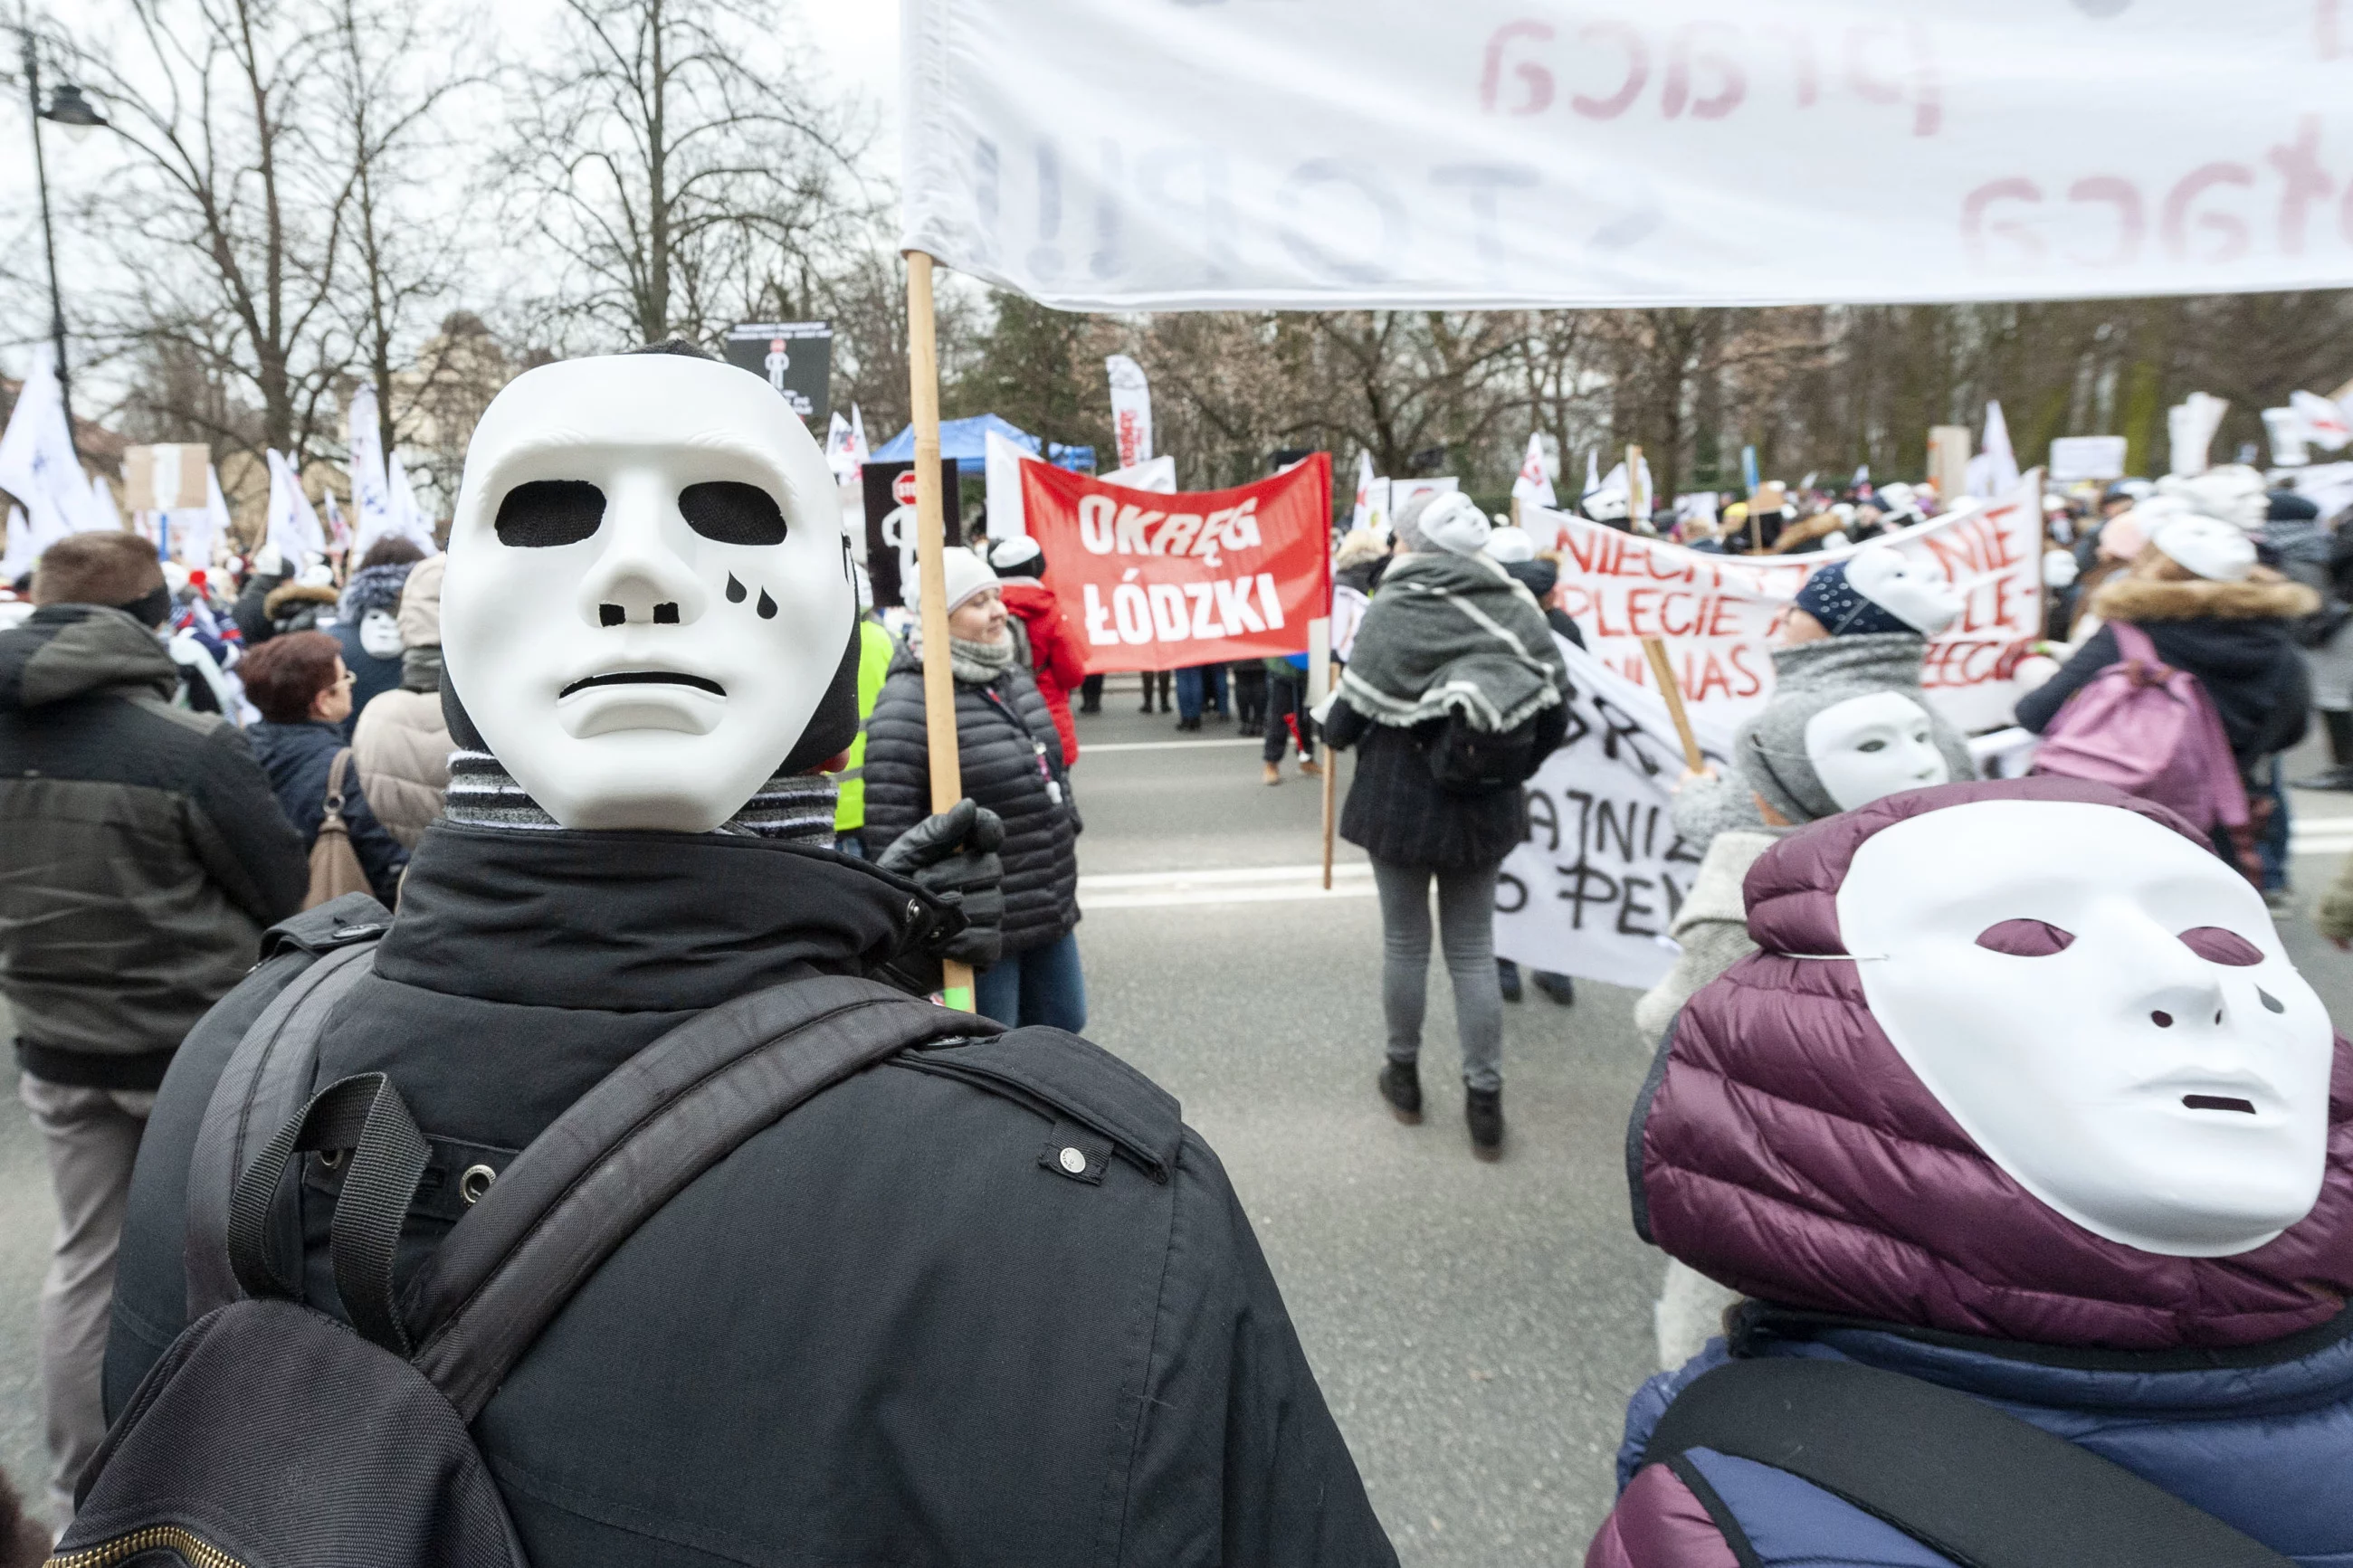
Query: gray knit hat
x=1812 y=677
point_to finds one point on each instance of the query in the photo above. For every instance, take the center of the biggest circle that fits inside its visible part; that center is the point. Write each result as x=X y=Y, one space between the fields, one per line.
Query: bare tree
x=234 y=219
x=679 y=166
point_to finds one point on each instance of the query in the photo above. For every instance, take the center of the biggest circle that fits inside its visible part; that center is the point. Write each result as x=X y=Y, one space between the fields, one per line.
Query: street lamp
x=66 y=107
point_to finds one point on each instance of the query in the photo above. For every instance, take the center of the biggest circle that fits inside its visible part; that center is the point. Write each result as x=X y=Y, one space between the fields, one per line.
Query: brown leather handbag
x=336 y=867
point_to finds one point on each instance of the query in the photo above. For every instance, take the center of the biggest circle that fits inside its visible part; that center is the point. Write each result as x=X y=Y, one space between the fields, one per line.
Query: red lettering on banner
x=1638 y=69
x=1533 y=77
x=2174 y=227
x=1973 y=225
x=1752 y=684
x=2302 y=182
x=1219 y=576
x=1683 y=56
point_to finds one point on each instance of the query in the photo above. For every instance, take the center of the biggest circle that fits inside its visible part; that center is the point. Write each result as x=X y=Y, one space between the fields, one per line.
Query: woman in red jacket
x=1054 y=657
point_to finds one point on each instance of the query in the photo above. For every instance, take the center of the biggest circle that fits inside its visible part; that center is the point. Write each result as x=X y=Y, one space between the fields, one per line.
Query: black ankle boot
x=1507 y=978
x=1484 y=1110
x=2339 y=776
x=1400 y=1085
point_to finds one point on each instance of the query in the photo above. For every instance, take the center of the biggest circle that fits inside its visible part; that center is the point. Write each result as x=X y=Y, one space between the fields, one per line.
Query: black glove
x=952 y=856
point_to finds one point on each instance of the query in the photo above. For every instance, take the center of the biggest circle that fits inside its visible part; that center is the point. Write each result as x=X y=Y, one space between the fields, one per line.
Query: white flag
x=1362 y=517
x=1131 y=410
x=1994 y=470
x=407 y=517
x=2325 y=423
x=1534 y=483
x=102 y=512
x=1592 y=472
x=21 y=555
x=37 y=465
x=2189 y=427
x=371 y=491
x=293 y=526
x=858 y=448
x=837 y=450
x=1001 y=467
x=208 y=531
x=339 y=532
x=2285 y=428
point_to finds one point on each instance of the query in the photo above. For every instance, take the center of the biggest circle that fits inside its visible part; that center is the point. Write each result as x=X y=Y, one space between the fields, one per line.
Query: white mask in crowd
x=1912 y=592
x=2106 y=1010
x=1866 y=747
x=380 y=635
x=649 y=590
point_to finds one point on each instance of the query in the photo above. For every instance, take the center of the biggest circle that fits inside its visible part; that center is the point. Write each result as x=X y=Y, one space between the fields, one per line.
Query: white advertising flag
x=858 y=448
x=371 y=487
x=1362 y=515
x=1001 y=469
x=37 y=465
x=1394 y=153
x=1994 y=470
x=837 y=448
x=1534 y=483
x=1131 y=410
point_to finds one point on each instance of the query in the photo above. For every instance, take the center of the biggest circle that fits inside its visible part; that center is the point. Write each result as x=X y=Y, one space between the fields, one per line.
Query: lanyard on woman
x=1045 y=765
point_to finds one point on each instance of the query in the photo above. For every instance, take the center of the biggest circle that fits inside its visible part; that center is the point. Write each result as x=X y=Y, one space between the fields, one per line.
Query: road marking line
x=1224 y=885
x=1088 y=748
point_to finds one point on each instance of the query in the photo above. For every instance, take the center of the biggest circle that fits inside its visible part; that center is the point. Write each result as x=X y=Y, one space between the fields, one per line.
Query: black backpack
x=272 y=1436
x=1469 y=760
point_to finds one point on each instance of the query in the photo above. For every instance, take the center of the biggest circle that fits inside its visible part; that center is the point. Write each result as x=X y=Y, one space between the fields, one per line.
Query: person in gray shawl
x=1449 y=639
x=1847 y=724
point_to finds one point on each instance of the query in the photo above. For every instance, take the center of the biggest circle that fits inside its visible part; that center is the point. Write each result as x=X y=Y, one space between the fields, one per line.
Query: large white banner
x=1593 y=889
x=1719 y=616
x=1213 y=153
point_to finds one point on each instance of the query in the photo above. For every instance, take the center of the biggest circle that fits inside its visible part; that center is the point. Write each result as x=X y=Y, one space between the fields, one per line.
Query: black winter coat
x=299 y=759
x=1000 y=762
x=2237 y=638
x=1395 y=812
x=884 y=1331
x=142 y=853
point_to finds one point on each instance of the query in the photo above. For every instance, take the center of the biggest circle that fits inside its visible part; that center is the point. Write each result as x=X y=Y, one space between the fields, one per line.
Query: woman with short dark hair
x=304 y=692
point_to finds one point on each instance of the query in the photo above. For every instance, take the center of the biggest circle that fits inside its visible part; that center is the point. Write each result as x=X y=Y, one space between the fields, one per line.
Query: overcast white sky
x=857 y=42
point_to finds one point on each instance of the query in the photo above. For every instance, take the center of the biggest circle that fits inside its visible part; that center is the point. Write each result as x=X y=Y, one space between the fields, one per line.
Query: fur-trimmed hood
x=2265 y=595
x=287 y=597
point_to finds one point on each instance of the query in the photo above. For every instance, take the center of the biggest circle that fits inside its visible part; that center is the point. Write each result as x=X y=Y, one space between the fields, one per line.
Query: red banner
x=1161 y=581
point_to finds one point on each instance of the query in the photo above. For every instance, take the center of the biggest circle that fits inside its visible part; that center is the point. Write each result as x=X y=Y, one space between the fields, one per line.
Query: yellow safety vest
x=875 y=649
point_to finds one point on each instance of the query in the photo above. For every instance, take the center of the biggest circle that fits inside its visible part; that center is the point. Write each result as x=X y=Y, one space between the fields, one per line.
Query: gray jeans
x=1466 y=924
x=91 y=1137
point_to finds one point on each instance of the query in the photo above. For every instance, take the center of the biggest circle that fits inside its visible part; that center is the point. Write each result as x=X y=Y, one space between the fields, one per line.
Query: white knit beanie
x=968 y=576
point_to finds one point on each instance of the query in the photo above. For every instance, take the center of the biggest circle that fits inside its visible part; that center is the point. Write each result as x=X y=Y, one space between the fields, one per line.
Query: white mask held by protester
x=649 y=595
x=2106 y=1010
x=1869 y=746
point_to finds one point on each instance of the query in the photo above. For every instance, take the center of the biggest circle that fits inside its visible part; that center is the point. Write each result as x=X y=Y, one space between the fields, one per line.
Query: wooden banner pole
x=1661 y=671
x=931 y=576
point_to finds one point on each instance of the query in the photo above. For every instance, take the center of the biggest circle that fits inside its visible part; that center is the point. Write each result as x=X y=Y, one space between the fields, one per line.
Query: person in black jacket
x=1012 y=765
x=1449 y=638
x=303 y=690
x=985 y=1306
x=141 y=858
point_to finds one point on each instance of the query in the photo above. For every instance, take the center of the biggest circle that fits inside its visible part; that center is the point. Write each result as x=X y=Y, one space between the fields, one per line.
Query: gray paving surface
x=1476 y=1328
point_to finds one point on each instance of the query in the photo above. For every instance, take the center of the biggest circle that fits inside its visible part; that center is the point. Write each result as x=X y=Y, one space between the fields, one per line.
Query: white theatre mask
x=1870 y=746
x=2106 y=1010
x=648 y=591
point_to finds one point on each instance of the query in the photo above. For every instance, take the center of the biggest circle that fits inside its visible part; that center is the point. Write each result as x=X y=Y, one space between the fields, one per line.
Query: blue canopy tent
x=965 y=441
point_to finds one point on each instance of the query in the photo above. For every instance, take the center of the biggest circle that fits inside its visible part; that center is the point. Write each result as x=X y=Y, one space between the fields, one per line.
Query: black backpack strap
x=363 y=1117
x=631 y=1143
x=1954 y=1472
x=264 y=1087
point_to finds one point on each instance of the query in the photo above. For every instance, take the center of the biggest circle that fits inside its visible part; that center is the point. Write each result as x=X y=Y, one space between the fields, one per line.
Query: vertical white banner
x=1131 y=410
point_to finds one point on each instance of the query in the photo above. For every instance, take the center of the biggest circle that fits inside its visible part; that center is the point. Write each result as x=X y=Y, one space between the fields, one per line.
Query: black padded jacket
x=892 y=1328
x=1000 y=729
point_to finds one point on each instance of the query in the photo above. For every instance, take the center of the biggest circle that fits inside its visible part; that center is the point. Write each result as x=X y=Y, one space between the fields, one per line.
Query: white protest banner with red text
x=1160 y=581
x=1719 y=616
x=1326 y=154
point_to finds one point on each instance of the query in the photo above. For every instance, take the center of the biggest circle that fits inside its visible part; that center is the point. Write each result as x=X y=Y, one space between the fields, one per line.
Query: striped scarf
x=797 y=807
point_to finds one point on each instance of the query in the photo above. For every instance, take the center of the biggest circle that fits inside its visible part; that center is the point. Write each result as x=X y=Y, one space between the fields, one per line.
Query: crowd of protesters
x=191 y=758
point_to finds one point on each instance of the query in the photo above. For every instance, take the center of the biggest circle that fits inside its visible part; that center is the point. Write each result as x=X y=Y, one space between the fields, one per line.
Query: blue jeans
x=2273 y=847
x=1043 y=986
x=1190 y=690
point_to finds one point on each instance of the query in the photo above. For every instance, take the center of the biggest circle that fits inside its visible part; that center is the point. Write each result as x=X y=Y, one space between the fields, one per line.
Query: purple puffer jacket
x=1784 y=1148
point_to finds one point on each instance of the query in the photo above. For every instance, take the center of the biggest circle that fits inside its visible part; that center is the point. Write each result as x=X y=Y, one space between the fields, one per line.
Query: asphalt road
x=1476 y=1328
